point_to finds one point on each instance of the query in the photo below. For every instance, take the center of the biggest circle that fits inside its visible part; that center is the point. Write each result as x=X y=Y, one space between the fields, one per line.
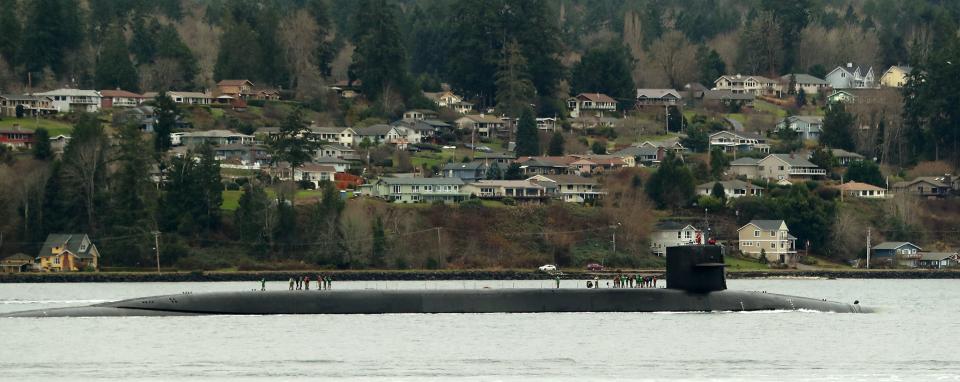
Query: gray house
x=808 y=126
x=417 y=190
x=889 y=250
x=469 y=172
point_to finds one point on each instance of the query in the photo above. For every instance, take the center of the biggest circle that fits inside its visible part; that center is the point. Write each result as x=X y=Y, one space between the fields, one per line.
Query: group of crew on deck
x=621 y=280
x=303 y=283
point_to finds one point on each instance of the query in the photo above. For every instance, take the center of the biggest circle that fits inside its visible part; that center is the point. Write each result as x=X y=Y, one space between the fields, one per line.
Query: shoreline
x=439 y=275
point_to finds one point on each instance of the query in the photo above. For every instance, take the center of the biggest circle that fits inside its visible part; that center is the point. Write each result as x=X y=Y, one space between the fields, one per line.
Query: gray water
x=914 y=336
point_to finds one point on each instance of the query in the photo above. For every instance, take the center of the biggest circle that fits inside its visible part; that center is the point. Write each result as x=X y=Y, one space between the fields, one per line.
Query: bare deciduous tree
x=676 y=56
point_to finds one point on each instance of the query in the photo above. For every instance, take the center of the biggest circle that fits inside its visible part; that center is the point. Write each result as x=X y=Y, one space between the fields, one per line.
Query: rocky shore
x=426 y=275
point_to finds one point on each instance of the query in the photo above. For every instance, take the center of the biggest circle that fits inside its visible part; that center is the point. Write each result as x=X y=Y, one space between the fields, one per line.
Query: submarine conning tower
x=696 y=268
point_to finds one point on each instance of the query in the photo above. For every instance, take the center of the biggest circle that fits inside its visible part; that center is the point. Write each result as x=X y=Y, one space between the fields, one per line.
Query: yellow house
x=769 y=237
x=68 y=253
x=895 y=77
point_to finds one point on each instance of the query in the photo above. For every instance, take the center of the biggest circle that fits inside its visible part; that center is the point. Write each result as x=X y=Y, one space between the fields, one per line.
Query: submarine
x=695 y=278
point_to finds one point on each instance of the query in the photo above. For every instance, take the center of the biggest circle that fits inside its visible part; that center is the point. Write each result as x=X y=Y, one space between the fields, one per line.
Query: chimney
x=850 y=65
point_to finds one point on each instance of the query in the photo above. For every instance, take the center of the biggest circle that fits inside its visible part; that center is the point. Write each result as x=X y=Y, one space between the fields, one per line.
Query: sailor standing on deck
x=558 y=281
x=263 y=284
x=306 y=282
x=291 y=283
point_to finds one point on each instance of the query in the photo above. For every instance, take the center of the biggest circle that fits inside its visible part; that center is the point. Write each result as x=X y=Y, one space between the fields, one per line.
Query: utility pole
x=868 y=247
x=156 y=246
x=439 y=249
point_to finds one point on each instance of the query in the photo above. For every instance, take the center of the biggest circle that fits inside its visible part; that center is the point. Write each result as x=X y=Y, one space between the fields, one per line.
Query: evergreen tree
x=85 y=172
x=132 y=203
x=292 y=144
x=710 y=65
x=493 y=172
x=240 y=54
x=114 y=69
x=718 y=163
x=672 y=186
x=792 y=84
x=285 y=232
x=273 y=69
x=58 y=213
x=211 y=189
x=556 y=144
x=378 y=250
x=166 y=112
x=515 y=91
x=54 y=29
x=865 y=171
x=718 y=192
x=599 y=147
x=252 y=219
x=801 y=97
x=698 y=139
x=9 y=31
x=379 y=60
x=528 y=139
x=607 y=70
x=41 y=144
x=823 y=158
x=325 y=227
x=837 y=126
x=513 y=172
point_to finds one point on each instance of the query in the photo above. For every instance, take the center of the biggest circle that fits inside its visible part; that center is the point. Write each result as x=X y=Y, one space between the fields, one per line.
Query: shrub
x=509 y=201
x=232 y=186
x=306 y=185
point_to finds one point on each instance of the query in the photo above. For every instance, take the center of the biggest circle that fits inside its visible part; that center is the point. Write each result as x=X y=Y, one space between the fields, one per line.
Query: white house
x=730 y=141
x=594 y=104
x=314 y=173
x=731 y=188
x=896 y=76
x=658 y=97
x=851 y=76
x=740 y=84
x=215 y=137
x=67 y=100
x=811 y=85
x=342 y=135
x=484 y=125
x=776 y=167
x=673 y=234
x=570 y=188
x=862 y=190
x=190 y=98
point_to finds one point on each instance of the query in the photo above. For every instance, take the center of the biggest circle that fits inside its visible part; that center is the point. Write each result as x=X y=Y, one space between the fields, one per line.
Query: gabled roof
x=657 y=93
x=595 y=97
x=188 y=94
x=70 y=92
x=634 y=151
x=21 y=97
x=933 y=180
x=423 y=181
x=811 y=119
x=895 y=245
x=792 y=160
x=234 y=83
x=804 y=79
x=727 y=95
x=857 y=186
x=765 y=225
x=469 y=166
x=669 y=225
x=119 y=93
x=745 y=162
x=731 y=184
x=373 y=130
x=540 y=162
x=936 y=256
x=316 y=167
x=564 y=179
x=841 y=153
x=71 y=242
x=505 y=183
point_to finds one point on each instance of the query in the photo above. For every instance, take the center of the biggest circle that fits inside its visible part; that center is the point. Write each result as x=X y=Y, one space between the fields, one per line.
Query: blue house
x=891 y=249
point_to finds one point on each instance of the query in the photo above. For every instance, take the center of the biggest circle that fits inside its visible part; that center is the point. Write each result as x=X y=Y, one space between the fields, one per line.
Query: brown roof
x=313 y=167
x=857 y=186
x=119 y=93
x=234 y=82
x=596 y=97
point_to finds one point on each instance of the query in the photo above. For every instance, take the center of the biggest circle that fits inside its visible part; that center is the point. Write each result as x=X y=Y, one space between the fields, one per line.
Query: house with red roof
x=595 y=104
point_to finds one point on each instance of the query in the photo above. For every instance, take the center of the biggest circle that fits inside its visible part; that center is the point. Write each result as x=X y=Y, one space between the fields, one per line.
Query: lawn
x=438 y=159
x=231 y=199
x=769 y=108
x=736 y=264
x=54 y=127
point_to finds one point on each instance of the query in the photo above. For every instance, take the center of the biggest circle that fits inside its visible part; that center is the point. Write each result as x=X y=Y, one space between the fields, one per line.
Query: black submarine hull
x=447 y=301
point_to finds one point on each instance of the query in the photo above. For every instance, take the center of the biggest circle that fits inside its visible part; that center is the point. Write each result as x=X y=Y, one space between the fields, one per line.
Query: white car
x=548 y=268
x=449 y=147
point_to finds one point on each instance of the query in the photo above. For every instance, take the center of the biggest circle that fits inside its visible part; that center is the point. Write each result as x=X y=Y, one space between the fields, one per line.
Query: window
x=756 y=233
x=688 y=234
x=56 y=260
x=428 y=188
x=773 y=245
x=773 y=234
x=396 y=189
x=415 y=188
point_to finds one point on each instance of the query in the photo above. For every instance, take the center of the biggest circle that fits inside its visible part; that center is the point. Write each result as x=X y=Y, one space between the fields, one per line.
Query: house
x=67 y=100
x=770 y=237
x=753 y=85
x=519 y=190
x=938 y=260
x=215 y=137
x=672 y=234
x=867 y=96
x=726 y=98
x=530 y=166
x=244 y=155
x=334 y=150
x=119 y=98
x=862 y=190
x=896 y=76
x=427 y=129
x=930 y=187
x=594 y=164
x=381 y=134
x=594 y=104
x=808 y=126
x=731 y=189
x=59 y=143
x=503 y=160
x=190 y=98
x=143 y=116
x=841 y=96
x=469 y=172
x=28 y=104
x=658 y=97
x=17 y=138
x=419 y=114
x=16 y=263
x=646 y=155
x=896 y=252
x=776 y=167
x=420 y=190
x=732 y=142
x=235 y=88
x=314 y=173
x=339 y=164
x=671 y=144
x=844 y=157
x=584 y=122
x=481 y=124
x=342 y=135
x=63 y=252
x=547 y=124
x=851 y=76
x=569 y=188
x=809 y=84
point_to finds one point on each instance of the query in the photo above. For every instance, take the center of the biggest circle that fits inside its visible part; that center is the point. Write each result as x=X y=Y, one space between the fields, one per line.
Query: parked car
x=548 y=268
x=449 y=147
x=594 y=267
